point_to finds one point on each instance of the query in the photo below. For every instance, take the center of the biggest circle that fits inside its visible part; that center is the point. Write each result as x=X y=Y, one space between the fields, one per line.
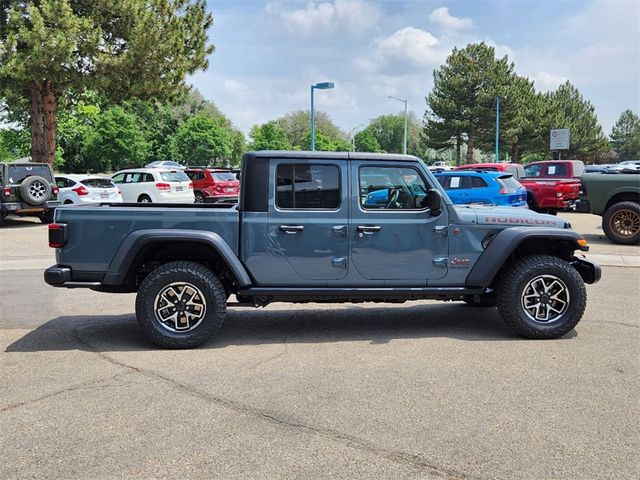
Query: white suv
x=156 y=185
x=80 y=189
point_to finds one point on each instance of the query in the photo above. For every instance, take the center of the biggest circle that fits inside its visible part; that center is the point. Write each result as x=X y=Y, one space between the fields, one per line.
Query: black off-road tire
x=199 y=197
x=621 y=223
x=47 y=216
x=511 y=288
x=35 y=190
x=486 y=300
x=214 y=296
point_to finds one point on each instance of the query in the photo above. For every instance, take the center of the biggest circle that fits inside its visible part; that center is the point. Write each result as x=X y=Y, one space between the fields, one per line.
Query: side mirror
x=434 y=202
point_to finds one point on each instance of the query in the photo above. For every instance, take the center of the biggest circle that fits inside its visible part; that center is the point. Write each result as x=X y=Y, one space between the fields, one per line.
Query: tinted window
x=146 y=177
x=63 y=182
x=556 y=170
x=17 y=173
x=224 y=176
x=195 y=175
x=118 y=178
x=477 y=182
x=97 y=183
x=393 y=188
x=454 y=182
x=174 y=177
x=303 y=186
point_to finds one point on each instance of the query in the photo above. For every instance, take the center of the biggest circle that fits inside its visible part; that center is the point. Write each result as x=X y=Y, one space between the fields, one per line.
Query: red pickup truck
x=552 y=185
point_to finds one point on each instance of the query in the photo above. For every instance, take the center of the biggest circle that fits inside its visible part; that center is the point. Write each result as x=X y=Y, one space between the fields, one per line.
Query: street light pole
x=319 y=86
x=497 y=159
x=353 y=136
x=404 y=142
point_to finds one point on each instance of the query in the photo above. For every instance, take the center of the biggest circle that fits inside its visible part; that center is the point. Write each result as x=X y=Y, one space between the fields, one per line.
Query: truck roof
x=301 y=154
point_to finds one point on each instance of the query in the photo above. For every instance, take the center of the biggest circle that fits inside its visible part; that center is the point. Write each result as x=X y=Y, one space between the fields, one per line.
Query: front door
x=394 y=236
x=308 y=221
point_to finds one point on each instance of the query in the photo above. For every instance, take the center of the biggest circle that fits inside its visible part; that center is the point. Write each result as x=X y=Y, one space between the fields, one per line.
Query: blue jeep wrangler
x=303 y=231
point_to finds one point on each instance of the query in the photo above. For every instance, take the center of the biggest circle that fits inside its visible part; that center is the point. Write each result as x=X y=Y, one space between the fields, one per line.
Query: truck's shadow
x=255 y=327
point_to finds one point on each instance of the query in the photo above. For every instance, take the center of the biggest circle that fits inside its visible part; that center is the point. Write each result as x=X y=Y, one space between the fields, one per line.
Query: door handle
x=368 y=229
x=291 y=229
x=339 y=230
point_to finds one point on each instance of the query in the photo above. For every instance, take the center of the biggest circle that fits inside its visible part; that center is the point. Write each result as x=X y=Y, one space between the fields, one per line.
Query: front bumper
x=22 y=207
x=588 y=270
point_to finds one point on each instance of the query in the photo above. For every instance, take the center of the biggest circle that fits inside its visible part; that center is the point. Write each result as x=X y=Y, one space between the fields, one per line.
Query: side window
x=61 y=182
x=458 y=182
x=304 y=187
x=392 y=188
x=119 y=178
x=478 y=182
x=147 y=177
x=556 y=170
x=193 y=176
x=532 y=170
x=133 y=177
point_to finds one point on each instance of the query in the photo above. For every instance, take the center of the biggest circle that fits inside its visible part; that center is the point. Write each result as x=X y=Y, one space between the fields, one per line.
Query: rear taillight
x=163 y=186
x=559 y=191
x=118 y=192
x=6 y=192
x=57 y=235
x=503 y=191
x=190 y=187
x=55 y=190
x=81 y=190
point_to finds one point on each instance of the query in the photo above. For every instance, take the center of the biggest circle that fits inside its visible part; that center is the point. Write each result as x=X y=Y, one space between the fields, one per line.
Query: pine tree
x=625 y=136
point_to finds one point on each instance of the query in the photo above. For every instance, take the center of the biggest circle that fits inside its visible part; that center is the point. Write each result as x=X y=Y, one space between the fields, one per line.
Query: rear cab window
x=307 y=187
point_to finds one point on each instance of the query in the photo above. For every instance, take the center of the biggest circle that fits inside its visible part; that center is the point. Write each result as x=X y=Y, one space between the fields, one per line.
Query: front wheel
x=181 y=305
x=541 y=297
x=47 y=216
x=621 y=223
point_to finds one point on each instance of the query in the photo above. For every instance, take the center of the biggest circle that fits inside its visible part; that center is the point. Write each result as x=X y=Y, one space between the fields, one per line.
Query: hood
x=512 y=216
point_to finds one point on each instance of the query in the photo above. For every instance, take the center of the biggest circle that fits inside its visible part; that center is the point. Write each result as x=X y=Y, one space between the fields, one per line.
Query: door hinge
x=441 y=230
x=441 y=261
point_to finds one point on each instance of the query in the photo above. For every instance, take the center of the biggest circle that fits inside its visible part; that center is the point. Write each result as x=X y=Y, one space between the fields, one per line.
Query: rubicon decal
x=520 y=221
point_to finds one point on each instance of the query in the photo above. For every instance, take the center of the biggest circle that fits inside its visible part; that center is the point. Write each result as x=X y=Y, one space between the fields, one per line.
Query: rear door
x=307 y=221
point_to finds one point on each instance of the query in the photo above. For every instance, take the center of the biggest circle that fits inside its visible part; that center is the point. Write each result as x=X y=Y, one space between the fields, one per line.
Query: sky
x=268 y=53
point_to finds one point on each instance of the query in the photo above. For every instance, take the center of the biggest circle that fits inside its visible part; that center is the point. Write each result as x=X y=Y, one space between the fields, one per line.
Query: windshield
x=224 y=176
x=174 y=177
x=17 y=173
x=97 y=183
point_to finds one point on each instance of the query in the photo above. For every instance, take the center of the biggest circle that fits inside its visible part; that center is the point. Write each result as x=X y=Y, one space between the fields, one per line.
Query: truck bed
x=102 y=228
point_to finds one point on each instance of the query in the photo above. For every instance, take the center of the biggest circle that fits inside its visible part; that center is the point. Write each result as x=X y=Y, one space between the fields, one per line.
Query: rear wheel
x=621 y=223
x=144 y=199
x=199 y=197
x=541 y=297
x=180 y=305
x=47 y=216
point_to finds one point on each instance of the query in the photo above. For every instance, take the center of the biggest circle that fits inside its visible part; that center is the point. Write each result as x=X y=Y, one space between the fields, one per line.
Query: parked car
x=154 y=185
x=552 y=185
x=84 y=189
x=490 y=188
x=514 y=169
x=439 y=166
x=625 y=167
x=213 y=185
x=616 y=198
x=324 y=245
x=27 y=189
x=164 y=164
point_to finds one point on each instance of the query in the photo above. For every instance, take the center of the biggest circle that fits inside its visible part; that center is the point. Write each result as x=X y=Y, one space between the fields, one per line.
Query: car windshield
x=174 y=177
x=97 y=183
x=224 y=176
x=17 y=173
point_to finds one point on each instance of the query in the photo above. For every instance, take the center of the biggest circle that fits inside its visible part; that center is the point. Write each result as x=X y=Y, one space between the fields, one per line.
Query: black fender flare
x=133 y=244
x=505 y=242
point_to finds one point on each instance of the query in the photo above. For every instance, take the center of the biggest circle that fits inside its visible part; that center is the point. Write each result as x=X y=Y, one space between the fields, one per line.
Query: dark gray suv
x=27 y=189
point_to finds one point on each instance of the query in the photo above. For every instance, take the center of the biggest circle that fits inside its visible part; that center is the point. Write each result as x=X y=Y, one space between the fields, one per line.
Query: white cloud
x=354 y=16
x=548 y=81
x=235 y=88
x=442 y=17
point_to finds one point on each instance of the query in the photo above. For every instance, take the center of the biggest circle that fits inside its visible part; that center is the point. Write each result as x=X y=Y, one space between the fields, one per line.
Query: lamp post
x=497 y=129
x=353 y=136
x=319 y=86
x=404 y=143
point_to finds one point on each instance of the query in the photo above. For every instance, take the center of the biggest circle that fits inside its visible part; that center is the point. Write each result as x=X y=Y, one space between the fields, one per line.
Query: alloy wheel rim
x=37 y=190
x=180 y=307
x=545 y=299
x=625 y=223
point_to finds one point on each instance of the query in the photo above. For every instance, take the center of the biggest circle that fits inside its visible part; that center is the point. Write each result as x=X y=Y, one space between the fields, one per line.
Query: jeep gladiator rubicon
x=303 y=232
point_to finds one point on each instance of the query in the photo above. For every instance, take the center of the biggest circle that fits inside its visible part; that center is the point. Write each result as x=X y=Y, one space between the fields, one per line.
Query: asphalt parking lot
x=419 y=390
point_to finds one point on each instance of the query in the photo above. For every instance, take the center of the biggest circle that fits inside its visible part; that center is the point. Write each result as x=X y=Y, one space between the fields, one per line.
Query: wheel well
x=623 y=197
x=142 y=195
x=152 y=256
x=531 y=198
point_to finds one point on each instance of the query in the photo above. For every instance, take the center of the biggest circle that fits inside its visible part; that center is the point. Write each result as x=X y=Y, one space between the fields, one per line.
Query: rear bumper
x=583 y=206
x=22 y=207
x=222 y=199
x=60 y=276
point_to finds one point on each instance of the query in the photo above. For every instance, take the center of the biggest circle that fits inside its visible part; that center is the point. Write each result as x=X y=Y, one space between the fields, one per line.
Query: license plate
x=104 y=195
x=520 y=199
x=179 y=189
x=229 y=189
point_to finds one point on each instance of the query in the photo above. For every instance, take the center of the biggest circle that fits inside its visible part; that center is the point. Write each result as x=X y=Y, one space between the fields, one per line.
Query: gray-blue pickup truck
x=305 y=230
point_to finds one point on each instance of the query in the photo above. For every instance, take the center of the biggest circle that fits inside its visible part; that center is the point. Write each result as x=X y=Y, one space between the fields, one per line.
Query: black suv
x=27 y=189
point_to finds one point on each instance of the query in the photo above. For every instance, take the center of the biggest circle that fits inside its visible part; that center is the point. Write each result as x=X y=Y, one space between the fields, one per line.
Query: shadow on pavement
x=256 y=327
x=21 y=222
